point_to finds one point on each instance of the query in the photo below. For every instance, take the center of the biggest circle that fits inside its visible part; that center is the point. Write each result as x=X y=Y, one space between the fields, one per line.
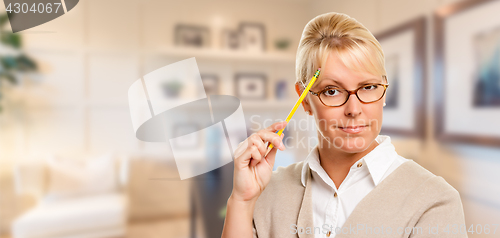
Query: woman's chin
x=351 y=144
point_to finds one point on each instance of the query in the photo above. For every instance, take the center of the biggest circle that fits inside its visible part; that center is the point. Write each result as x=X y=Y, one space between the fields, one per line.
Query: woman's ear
x=305 y=103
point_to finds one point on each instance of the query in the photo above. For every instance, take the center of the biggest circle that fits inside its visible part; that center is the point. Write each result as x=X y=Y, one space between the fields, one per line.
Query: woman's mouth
x=353 y=129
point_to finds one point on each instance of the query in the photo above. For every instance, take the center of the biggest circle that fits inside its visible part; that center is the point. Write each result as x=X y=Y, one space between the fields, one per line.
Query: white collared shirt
x=332 y=207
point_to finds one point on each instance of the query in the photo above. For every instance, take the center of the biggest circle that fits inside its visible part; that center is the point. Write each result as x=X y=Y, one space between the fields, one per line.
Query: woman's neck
x=337 y=163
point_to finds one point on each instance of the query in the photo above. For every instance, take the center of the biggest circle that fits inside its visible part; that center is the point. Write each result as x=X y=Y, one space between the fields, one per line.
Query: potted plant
x=13 y=61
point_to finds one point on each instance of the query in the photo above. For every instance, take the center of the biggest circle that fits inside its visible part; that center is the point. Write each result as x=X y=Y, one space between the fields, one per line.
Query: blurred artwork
x=405 y=63
x=281 y=89
x=230 y=39
x=487 y=77
x=469 y=77
x=251 y=86
x=210 y=83
x=253 y=36
x=192 y=36
x=392 y=68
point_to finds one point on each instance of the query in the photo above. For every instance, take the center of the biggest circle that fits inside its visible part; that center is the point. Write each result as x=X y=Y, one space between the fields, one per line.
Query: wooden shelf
x=230 y=55
x=286 y=104
x=183 y=52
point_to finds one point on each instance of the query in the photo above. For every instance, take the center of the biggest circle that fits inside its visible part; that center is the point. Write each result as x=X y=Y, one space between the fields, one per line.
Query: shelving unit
x=218 y=54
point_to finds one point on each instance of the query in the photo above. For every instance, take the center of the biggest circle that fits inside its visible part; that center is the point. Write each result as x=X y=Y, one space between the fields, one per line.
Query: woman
x=353 y=183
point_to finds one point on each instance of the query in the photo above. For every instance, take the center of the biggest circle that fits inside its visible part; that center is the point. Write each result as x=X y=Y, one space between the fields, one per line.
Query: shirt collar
x=378 y=160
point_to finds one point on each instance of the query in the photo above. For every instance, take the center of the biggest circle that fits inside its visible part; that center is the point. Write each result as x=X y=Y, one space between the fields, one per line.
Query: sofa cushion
x=69 y=178
x=90 y=213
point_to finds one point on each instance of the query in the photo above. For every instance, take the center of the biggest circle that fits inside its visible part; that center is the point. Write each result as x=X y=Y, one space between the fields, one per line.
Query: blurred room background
x=71 y=166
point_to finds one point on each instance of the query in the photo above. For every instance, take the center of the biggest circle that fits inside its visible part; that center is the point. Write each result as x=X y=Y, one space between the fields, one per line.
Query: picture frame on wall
x=405 y=60
x=252 y=36
x=280 y=90
x=187 y=35
x=467 y=72
x=250 y=86
x=210 y=84
x=230 y=39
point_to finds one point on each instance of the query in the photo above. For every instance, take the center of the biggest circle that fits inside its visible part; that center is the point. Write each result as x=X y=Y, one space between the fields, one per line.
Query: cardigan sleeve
x=444 y=218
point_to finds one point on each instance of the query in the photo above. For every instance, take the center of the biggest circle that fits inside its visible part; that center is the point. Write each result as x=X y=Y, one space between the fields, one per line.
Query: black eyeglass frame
x=355 y=92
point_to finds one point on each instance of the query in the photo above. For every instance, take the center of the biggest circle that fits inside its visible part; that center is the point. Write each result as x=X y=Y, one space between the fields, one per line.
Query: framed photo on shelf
x=280 y=89
x=404 y=50
x=230 y=39
x=192 y=36
x=250 y=86
x=210 y=84
x=467 y=72
x=253 y=36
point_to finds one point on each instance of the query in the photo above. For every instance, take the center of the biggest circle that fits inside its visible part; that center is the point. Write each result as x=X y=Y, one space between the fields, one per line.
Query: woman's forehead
x=346 y=63
x=346 y=75
x=347 y=82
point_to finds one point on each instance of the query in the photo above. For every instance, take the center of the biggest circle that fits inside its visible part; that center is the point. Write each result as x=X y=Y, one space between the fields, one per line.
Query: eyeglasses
x=336 y=97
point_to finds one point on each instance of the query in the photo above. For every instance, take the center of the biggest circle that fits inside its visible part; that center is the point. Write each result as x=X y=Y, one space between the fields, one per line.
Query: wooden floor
x=161 y=228
x=167 y=228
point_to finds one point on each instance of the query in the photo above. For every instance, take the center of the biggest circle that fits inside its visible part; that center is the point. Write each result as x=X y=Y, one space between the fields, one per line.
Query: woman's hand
x=252 y=170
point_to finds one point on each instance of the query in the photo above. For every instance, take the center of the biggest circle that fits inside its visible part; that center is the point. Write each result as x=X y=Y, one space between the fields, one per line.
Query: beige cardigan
x=410 y=198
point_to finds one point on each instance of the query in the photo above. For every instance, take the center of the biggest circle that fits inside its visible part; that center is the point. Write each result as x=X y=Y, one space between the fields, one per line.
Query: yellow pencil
x=302 y=96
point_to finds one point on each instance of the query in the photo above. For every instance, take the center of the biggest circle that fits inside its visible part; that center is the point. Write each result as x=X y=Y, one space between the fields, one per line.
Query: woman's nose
x=352 y=106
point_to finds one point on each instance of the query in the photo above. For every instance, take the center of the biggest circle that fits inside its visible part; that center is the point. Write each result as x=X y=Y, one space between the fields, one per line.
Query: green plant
x=14 y=61
x=172 y=88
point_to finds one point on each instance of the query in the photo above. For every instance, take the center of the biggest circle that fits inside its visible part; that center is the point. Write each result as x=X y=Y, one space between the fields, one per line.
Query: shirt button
x=335 y=194
x=328 y=234
x=360 y=164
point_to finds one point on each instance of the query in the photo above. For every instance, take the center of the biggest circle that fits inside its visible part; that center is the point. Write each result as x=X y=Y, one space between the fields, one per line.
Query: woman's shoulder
x=412 y=174
x=291 y=171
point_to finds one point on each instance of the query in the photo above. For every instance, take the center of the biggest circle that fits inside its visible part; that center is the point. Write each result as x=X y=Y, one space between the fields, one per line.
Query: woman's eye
x=369 y=87
x=331 y=92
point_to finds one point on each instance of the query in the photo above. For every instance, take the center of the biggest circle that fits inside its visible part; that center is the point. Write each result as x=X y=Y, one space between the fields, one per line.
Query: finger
x=257 y=141
x=277 y=126
x=243 y=154
x=256 y=156
x=242 y=147
x=272 y=137
x=282 y=142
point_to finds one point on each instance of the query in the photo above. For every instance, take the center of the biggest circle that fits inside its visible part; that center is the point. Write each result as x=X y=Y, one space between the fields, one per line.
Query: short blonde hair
x=337 y=33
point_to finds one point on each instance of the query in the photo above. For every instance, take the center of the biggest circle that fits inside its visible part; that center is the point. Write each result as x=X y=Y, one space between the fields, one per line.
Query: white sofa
x=75 y=200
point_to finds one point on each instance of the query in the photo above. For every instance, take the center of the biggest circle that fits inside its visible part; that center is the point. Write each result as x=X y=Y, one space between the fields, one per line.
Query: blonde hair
x=337 y=33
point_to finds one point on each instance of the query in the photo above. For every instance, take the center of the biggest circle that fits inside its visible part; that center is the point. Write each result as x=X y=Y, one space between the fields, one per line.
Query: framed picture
x=210 y=83
x=405 y=61
x=230 y=39
x=467 y=72
x=192 y=36
x=253 y=36
x=280 y=89
x=250 y=86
